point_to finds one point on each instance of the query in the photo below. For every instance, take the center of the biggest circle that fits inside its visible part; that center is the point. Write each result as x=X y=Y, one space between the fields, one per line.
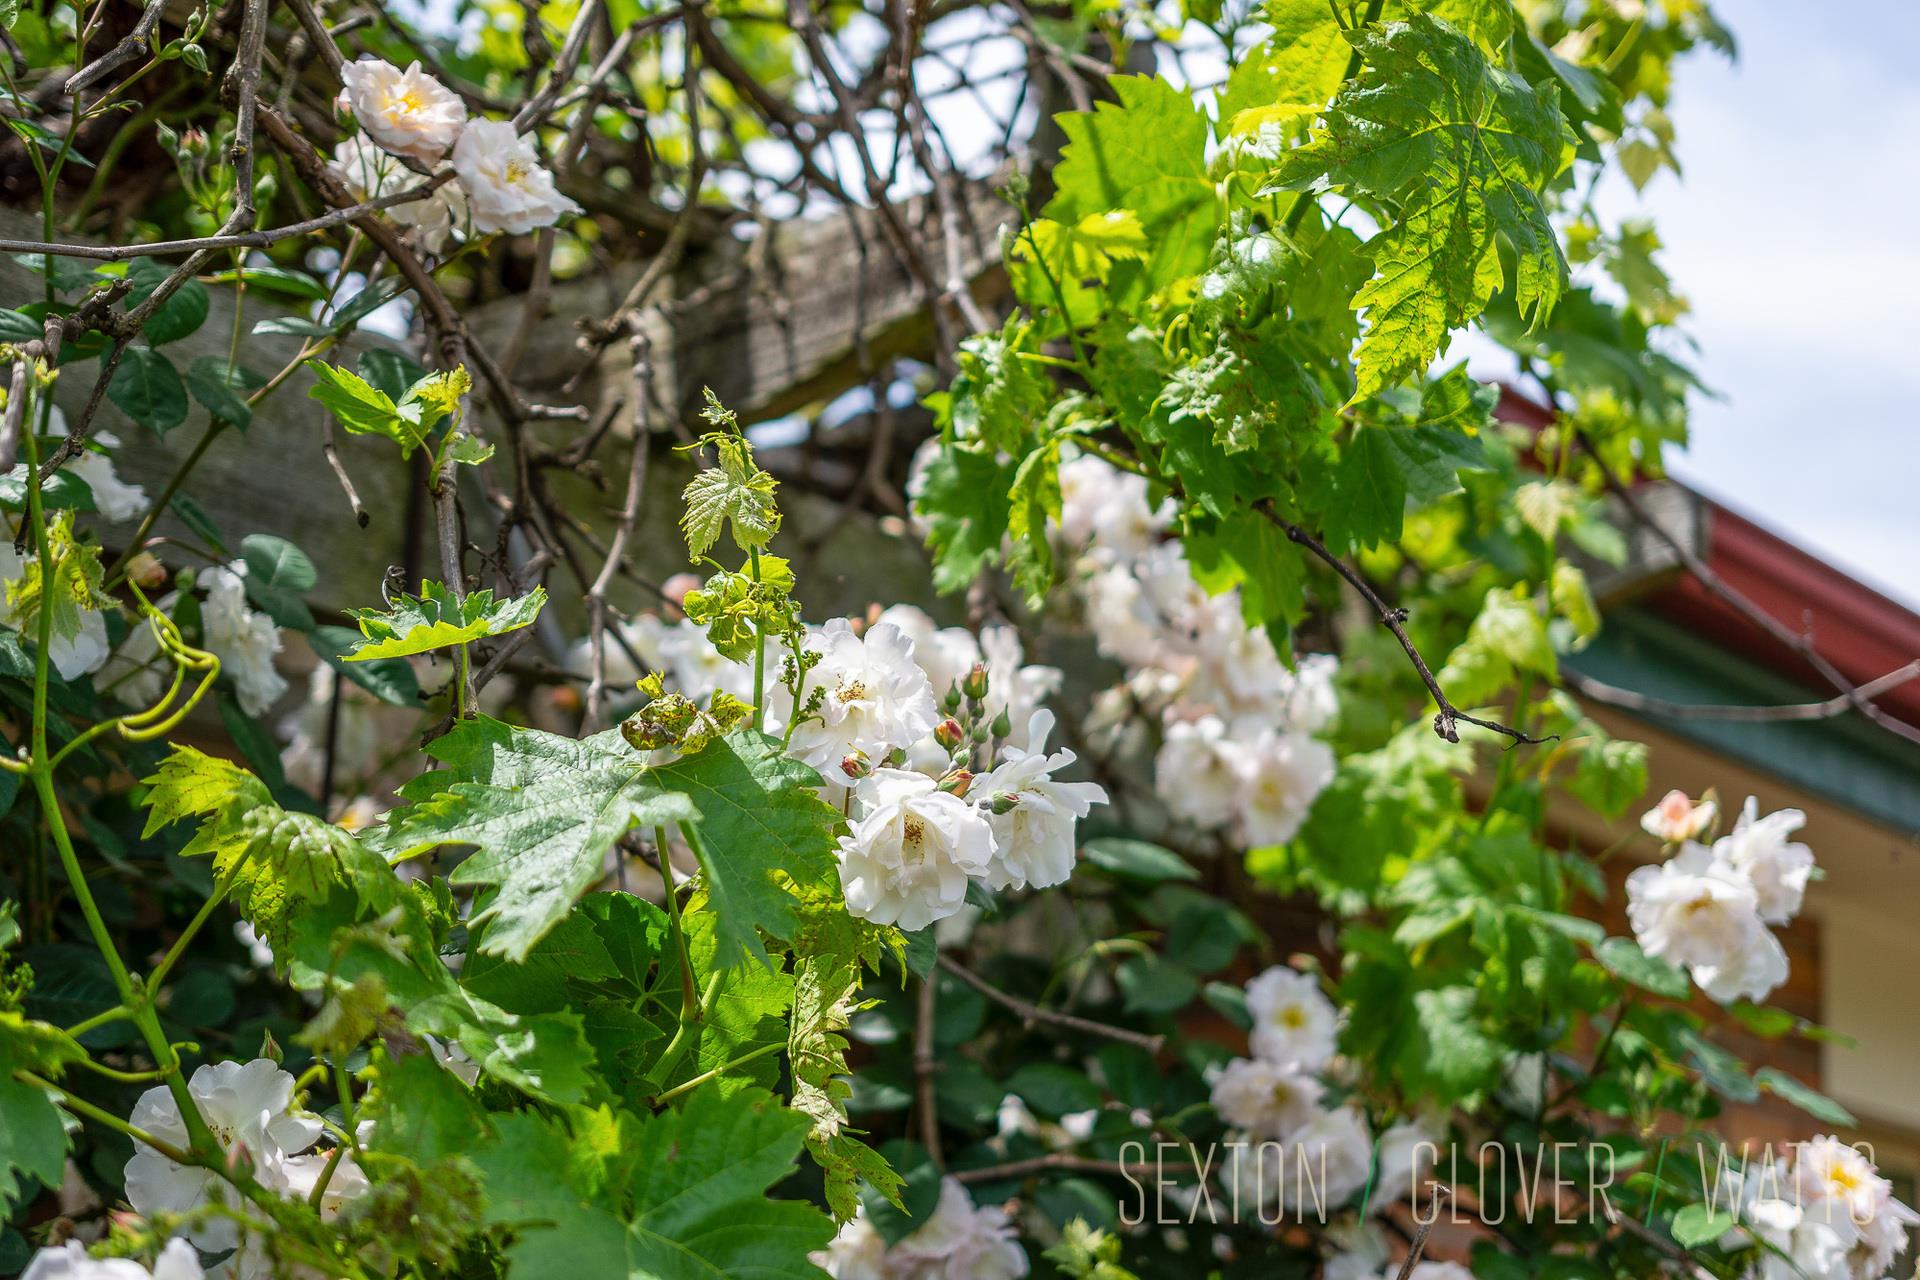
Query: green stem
x=687 y=995
x=759 y=657
x=688 y=1086
x=460 y=682
x=132 y=997
x=81 y=1107
x=159 y=974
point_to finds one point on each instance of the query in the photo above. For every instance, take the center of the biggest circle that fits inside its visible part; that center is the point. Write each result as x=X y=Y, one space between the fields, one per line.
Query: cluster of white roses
x=1288 y=1151
x=410 y=116
x=1239 y=751
x=249 y=1107
x=1821 y=1213
x=1708 y=908
x=961 y=1241
x=881 y=719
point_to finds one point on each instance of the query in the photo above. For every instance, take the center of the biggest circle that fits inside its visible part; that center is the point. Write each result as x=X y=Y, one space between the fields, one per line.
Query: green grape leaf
x=1300 y=65
x=389 y=679
x=1146 y=153
x=275 y=860
x=964 y=499
x=826 y=994
x=543 y=811
x=681 y=1194
x=699 y=1187
x=1463 y=150
x=364 y=409
x=33 y=1136
x=736 y=493
x=435 y=620
x=760 y=821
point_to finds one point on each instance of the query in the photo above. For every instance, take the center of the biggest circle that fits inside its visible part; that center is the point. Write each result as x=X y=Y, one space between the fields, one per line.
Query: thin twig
x=1032 y=1013
x=1632 y=700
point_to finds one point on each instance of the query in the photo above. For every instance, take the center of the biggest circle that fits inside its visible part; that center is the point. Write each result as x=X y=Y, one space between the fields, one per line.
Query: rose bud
x=957 y=782
x=949 y=734
x=856 y=765
x=974 y=683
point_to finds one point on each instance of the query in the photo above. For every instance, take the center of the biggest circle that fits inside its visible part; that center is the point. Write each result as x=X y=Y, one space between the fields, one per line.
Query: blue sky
x=1795 y=234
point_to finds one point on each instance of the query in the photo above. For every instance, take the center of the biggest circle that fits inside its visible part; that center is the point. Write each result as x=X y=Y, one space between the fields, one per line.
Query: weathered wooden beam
x=771 y=327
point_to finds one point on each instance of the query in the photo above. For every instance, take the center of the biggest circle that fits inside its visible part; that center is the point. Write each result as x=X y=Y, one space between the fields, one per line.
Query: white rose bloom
x=961 y=1241
x=407 y=112
x=858 y=1252
x=944 y=653
x=247 y=1106
x=877 y=698
x=244 y=641
x=1282 y=774
x=1363 y=1250
x=1033 y=842
x=297 y=1176
x=1104 y=509
x=508 y=189
x=1407 y=1153
x=115 y=499
x=1293 y=1022
x=1309 y=704
x=1698 y=912
x=1327 y=1162
x=177 y=1261
x=1124 y=623
x=1677 y=818
x=1195 y=772
x=1838 y=1187
x=1779 y=869
x=907 y=860
x=1806 y=1249
x=1267 y=1099
x=370 y=173
x=72 y=656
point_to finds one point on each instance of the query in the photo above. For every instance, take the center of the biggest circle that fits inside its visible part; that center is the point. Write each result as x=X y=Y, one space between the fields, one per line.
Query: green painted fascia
x=1845 y=758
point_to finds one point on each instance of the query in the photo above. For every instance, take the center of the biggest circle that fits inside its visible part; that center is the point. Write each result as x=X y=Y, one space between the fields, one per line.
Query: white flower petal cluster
x=407 y=112
x=876 y=698
x=1034 y=840
x=177 y=1261
x=508 y=189
x=370 y=173
x=249 y=1107
x=1293 y=1021
x=1823 y=1212
x=1266 y=1099
x=908 y=858
x=244 y=640
x=1324 y=1163
x=1778 y=868
x=502 y=186
x=1708 y=909
x=961 y=1241
x=1239 y=751
x=351 y=732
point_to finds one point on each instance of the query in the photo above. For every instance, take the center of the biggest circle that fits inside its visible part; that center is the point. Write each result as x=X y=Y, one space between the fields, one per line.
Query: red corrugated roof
x=1861 y=631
